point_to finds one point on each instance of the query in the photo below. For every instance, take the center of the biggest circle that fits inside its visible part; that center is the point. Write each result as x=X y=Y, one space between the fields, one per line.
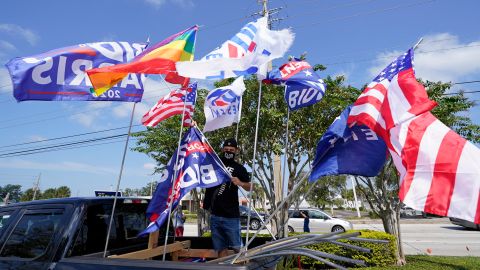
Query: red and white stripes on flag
x=172 y=104
x=439 y=170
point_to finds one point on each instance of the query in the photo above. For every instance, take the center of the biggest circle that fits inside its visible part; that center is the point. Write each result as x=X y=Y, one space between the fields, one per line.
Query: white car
x=319 y=221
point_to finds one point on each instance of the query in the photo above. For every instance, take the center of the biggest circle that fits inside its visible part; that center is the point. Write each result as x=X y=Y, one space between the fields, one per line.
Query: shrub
x=381 y=254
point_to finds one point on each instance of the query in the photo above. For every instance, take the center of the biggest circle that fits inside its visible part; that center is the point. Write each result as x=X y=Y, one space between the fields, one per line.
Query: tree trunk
x=391 y=224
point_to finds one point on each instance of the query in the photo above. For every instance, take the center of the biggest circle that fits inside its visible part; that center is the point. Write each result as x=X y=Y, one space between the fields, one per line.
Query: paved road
x=435 y=239
x=431 y=236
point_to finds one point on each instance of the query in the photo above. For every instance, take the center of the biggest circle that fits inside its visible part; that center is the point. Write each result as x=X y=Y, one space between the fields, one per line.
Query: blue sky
x=352 y=38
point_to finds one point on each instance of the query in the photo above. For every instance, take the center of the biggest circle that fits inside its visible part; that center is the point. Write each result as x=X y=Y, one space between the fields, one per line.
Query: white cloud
x=36 y=138
x=159 y=3
x=6 y=46
x=104 y=112
x=5 y=81
x=91 y=114
x=57 y=166
x=156 y=3
x=184 y=3
x=149 y=166
x=26 y=34
x=440 y=57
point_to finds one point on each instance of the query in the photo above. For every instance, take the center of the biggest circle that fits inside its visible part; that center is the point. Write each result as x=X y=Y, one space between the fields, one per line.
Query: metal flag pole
x=119 y=180
x=254 y=159
x=265 y=14
x=241 y=191
x=280 y=206
x=238 y=120
x=175 y=174
x=418 y=43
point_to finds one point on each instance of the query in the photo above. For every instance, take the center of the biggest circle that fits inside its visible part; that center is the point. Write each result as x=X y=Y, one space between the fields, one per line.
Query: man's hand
x=236 y=181
x=245 y=185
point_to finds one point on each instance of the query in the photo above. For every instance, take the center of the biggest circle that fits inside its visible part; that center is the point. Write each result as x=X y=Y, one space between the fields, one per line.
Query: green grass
x=415 y=262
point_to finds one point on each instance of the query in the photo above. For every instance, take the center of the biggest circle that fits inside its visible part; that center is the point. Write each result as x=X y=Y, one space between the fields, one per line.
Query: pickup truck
x=70 y=233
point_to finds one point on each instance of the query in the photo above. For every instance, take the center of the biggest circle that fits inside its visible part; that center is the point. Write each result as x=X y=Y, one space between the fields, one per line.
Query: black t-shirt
x=222 y=200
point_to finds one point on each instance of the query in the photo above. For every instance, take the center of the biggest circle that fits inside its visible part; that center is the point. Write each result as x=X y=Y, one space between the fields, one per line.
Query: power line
x=466 y=82
x=463 y=92
x=66 y=148
x=62 y=145
x=365 y=13
x=68 y=136
x=60 y=115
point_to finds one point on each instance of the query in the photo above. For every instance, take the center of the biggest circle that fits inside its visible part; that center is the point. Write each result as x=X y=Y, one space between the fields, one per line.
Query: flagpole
x=118 y=181
x=254 y=159
x=265 y=14
x=294 y=189
x=175 y=173
x=239 y=115
x=418 y=43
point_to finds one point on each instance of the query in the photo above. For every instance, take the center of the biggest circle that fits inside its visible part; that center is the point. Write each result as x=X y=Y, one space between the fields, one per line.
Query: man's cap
x=230 y=142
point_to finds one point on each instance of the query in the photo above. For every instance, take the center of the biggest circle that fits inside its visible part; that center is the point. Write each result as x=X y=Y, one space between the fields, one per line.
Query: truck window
x=129 y=221
x=32 y=234
x=5 y=220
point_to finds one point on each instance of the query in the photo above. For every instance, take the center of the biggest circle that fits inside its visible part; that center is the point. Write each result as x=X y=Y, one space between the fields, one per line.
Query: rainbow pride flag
x=157 y=59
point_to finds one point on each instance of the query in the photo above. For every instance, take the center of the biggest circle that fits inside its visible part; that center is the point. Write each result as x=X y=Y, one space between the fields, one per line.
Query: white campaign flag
x=243 y=54
x=223 y=106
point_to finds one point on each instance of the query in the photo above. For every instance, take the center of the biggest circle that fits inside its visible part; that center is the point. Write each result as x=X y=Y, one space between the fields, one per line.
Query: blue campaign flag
x=353 y=150
x=198 y=166
x=303 y=86
x=59 y=75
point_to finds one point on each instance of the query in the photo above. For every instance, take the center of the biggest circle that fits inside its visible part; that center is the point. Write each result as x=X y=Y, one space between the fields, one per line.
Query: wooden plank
x=153 y=252
x=153 y=240
x=200 y=253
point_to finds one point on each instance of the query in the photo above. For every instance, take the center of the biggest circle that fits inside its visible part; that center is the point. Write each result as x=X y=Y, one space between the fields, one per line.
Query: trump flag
x=355 y=150
x=223 y=106
x=243 y=54
x=198 y=166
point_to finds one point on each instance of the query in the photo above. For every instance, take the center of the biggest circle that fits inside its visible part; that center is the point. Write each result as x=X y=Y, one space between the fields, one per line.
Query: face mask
x=229 y=155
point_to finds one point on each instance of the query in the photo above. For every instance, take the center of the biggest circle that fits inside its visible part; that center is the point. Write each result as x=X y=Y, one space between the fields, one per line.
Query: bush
x=381 y=254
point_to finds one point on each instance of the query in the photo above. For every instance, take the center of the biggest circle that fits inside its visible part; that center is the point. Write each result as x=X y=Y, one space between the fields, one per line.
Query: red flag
x=172 y=104
x=439 y=172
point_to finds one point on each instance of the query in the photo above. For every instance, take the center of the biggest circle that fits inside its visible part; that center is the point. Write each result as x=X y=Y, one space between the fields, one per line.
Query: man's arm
x=244 y=185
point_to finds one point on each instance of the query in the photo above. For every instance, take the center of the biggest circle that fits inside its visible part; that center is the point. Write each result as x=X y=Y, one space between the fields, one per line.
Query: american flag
x=439 y=172
x=173 y=104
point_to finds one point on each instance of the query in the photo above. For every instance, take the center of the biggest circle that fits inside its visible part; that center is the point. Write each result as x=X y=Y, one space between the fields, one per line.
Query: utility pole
x=36 y=187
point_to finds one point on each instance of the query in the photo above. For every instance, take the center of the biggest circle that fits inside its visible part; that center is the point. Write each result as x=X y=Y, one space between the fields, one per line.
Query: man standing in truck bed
x=222 y=202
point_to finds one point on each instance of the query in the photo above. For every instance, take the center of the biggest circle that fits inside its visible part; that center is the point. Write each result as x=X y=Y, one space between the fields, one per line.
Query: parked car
x=406 y=211
x=255 y=220
x=319 y=221
x=465 y=223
